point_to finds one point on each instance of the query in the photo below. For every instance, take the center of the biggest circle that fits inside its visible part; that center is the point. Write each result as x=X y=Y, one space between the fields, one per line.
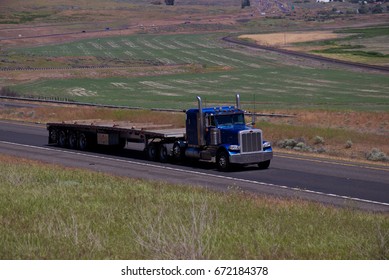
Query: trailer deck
x=125 y=128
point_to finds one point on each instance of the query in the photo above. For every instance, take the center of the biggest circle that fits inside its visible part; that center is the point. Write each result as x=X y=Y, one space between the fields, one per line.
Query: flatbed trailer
x=89 y=134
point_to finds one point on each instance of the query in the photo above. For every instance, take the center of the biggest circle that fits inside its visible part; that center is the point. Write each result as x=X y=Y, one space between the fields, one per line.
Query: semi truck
x=214 y=134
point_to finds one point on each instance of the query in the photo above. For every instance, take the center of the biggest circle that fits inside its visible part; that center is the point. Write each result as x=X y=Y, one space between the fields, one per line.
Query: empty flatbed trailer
x=84 y=135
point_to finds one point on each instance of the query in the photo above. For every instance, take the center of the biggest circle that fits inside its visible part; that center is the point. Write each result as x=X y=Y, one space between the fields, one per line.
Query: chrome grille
x=250 y=141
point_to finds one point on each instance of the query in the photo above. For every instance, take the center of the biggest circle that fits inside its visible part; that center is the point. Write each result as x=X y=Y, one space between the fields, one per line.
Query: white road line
x=201 y=173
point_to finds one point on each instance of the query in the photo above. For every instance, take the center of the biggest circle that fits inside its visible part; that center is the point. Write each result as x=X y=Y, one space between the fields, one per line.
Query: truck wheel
x=177 y=152
x=223 y=161
x=83 y=142
x=73 y=143
x=62 y=139
x=152 y=152
x=264 y=164
x=163 y=154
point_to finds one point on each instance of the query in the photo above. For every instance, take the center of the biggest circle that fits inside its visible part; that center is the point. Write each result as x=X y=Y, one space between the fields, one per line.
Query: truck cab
x=221 y=134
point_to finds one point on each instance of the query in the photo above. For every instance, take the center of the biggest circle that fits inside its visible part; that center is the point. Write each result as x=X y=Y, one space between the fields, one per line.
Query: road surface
x=328 y=181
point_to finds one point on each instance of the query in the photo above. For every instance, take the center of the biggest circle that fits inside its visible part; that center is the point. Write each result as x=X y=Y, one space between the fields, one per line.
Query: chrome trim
x=200 y=125
x=250 y=141
x=251 y=158
x=237 y=101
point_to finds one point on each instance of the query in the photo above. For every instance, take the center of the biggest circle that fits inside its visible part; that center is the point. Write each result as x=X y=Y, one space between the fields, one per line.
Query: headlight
x=266 y=144
x=234 y=148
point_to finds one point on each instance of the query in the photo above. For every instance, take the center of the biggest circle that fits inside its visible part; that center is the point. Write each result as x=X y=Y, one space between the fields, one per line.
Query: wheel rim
x=222 y=161
x=177 y=151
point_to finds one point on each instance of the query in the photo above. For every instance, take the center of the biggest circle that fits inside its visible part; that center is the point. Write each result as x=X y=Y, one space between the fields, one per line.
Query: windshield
x=232 y=119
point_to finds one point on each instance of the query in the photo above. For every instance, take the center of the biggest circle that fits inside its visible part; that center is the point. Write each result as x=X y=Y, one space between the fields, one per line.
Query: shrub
x=287 y=143
x=321 y=150
x=318 y=140
x=349 y=144
x=301 y=146
x=376 y=155
x=378 y=9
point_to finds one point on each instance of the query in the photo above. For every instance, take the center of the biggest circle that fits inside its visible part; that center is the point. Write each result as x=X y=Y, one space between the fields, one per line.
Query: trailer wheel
x=62 y=139
x=223 y=160
x=264 y=164
x=152 y=152
x=163 y=153
x=73 y=141
x=83 y=142
x=53 y=136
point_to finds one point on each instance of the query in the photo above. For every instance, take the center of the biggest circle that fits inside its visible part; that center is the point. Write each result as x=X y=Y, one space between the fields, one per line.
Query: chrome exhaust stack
x=200 y=126
x=237 y=101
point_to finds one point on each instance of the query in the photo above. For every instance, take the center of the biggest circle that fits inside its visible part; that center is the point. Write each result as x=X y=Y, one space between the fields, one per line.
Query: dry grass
x=364 y=122
x=346 y=134
x=285 y=38
x=181 y=242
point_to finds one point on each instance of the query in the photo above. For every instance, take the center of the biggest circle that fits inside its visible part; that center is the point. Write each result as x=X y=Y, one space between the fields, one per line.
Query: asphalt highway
x=336 y=182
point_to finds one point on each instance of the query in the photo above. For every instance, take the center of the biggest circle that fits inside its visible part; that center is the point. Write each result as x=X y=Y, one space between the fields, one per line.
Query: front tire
x=264 y=164
x=223 y=161
x=178 y=152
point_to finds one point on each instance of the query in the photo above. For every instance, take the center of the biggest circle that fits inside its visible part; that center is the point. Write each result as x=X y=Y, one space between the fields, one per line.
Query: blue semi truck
x=215 y=134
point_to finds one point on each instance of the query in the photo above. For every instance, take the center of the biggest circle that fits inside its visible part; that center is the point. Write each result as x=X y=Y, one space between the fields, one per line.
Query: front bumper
x=250 y=158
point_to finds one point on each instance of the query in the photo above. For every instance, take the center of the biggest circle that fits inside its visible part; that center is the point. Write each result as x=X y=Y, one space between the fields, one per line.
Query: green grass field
x=49 y=212
x=222 y=71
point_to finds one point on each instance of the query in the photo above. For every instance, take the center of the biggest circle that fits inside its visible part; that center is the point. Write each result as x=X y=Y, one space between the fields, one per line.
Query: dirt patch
x=287 y=38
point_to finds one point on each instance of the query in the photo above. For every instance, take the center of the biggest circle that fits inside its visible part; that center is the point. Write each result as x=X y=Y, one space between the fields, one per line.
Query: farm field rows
x=221 y=71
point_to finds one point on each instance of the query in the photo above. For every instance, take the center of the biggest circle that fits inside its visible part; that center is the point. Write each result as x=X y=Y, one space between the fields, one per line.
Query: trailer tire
x=53 y=136
x=223 y=161
x=83 y=142
x=73 y=140
x=152 y=152
x=62 y=139
x=163 y=153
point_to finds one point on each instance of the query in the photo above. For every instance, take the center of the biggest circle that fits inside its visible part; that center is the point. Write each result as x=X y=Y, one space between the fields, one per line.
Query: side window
x=211 y=120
